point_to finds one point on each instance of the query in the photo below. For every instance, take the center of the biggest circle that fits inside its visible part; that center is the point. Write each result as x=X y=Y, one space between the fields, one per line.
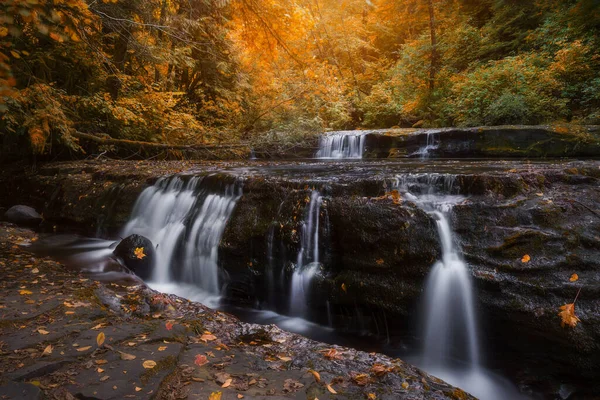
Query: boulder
x=23 y=215
x=137 y=253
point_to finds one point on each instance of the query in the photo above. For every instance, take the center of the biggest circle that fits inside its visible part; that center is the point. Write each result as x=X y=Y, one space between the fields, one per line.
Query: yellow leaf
x=331 y=390
x=43 y=332
x=15 y=54
x=127 y=357
x=207 y=337
x=138 y=389
x=3 y=31
x=215 y=396
x=344 y=287
x=162 y=348
x=525 y=258
x=86 y=348
x=567 y=315
x=139 y=252
x=316 y=375
x=404 y=385
x=25 y=292
x=371 y=396
x=149 y=364
x=573 y=278
x=100 y=339
x=100 y=362
x=47 y=350
x=240 y=396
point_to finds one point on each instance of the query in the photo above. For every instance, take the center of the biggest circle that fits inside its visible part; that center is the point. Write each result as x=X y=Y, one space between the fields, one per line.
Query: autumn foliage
x=213 y=71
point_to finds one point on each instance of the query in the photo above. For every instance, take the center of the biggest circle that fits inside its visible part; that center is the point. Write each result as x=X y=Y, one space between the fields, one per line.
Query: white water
x=184 y=219
x=345 y=144
x=433 y=143
x=451 y=349
x=307 y=263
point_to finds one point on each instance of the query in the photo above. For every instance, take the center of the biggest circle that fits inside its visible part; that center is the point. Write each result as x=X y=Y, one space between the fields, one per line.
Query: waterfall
x=346 y=144
x=185 y=218
x=307 y=263
x=450 y=326
x=451 y=348
x=432 y=144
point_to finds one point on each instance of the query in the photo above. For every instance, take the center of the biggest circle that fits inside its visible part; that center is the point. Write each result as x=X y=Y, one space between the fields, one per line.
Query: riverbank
x=66 y=336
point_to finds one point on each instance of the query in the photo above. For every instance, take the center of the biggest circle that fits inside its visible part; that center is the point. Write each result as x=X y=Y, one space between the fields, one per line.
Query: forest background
x=208 y=72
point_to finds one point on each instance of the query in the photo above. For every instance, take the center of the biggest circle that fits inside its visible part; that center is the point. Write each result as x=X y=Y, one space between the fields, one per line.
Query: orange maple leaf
x=567 y=315
x=573 y=278
x=139 y=252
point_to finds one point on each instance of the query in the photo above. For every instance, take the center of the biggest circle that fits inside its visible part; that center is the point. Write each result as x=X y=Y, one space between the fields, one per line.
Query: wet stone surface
x=64 y=336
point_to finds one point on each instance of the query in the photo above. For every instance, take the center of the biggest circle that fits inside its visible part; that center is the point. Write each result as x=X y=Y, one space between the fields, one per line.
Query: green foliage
x=513 y=90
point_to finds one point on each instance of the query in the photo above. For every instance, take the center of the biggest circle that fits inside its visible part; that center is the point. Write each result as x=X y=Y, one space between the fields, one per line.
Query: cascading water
x=307 y=263
x=184 y=218
x=346 y=144
x=432 y=144
x=451 y=348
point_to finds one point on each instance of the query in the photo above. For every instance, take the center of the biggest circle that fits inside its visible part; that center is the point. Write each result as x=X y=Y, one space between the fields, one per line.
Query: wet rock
x=23 y=215
x=18 y=391
x=137 y=253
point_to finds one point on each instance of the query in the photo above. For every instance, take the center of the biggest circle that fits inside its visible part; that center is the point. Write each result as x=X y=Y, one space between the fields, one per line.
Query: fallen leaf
x=331 y=354
x=139 y=253
x=127 y=357
x=207 y=337
x=215 y=396
x=162 y=348
x=25 y=292
x=47 y=351
x=99 y=370
x=344 y=287
x=149 y=364
x=316 y=375
x=43 y=332
x=573 y=278
x=169 y=325
x=86 y=348
x=285 y=358
x=200 y=360
x=104 y=378
x=379 y=261
x=525 y=258
x=35 y=271
x=379 y=369
x=240 y=396
x=138 y=389
x=371 y=396
x=99 y=326
x=361 y=379
x=100 y=339
x=331 y=390
x=100 y=362
x=404 y=385
x=567 y=315
x=227 y=383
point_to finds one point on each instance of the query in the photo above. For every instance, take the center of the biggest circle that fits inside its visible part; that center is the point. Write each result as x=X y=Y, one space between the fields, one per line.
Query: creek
x=313 y=247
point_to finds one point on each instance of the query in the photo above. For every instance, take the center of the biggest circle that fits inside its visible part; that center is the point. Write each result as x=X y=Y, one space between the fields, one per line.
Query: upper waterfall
x=343 y=144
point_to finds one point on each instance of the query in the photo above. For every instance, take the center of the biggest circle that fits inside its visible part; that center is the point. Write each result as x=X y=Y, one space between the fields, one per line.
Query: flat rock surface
x=65 y=336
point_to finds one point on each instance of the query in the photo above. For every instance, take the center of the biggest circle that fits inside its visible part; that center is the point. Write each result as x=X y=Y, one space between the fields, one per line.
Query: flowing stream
x=451 y=345
x=185 y=218
x=345 y=144
x=185 y=221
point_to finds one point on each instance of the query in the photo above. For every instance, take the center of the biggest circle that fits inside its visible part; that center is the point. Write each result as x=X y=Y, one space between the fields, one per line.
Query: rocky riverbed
x=66 y=336
x=376 y=251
